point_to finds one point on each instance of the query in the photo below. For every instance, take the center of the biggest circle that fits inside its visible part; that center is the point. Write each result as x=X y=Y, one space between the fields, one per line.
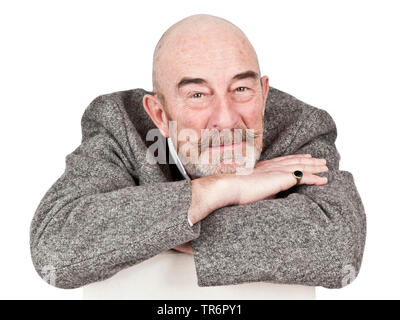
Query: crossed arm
x=268 y=178
x=97 y=220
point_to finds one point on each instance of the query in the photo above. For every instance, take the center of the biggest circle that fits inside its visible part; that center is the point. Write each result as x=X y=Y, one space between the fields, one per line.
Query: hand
x=185 y=248
x=268 y=178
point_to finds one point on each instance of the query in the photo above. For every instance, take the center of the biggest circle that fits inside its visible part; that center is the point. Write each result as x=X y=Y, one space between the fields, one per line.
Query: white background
x=57 y=56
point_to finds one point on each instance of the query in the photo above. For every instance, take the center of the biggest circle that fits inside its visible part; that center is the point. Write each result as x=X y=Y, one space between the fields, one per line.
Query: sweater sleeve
x=308 y=235
x=96 y=219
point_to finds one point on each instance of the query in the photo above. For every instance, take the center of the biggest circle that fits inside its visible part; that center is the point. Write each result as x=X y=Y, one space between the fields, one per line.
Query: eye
x=197 y=95
x=241 y=89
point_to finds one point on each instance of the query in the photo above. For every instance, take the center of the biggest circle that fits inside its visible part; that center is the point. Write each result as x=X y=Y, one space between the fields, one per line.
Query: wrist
x=208 y=194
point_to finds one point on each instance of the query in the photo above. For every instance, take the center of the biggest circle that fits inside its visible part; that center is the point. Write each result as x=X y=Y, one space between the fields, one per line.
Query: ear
x=156 y=112
x=265 y=89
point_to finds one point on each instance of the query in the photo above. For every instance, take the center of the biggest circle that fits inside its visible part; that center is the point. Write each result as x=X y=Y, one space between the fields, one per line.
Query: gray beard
x=241 y=165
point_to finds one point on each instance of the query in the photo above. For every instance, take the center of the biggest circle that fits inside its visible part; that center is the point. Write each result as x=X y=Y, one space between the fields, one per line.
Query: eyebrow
x=243 y=75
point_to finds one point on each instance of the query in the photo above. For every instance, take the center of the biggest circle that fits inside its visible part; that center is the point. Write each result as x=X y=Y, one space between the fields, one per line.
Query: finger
x=305 y=161
x=277 y=166
x=305 y=168
x=304 y=155
x=294 y=167
x=313 y=179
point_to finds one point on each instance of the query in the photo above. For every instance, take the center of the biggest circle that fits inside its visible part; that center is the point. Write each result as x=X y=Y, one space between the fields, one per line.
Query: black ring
x=298 y=175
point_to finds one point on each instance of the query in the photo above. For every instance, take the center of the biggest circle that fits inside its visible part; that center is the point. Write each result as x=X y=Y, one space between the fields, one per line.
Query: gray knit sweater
x=111 y=209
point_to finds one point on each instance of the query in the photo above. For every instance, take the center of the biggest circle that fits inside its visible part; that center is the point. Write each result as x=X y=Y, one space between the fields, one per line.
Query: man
x=279 y=212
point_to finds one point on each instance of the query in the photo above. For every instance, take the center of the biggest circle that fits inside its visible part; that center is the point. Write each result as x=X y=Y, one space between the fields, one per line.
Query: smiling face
x=208 y=76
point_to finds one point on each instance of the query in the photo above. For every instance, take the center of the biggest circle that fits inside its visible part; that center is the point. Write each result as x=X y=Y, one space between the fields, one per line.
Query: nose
x=223 y=115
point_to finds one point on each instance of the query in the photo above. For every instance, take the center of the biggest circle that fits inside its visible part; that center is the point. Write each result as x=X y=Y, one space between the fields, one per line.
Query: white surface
x=56 y=57
x=172 y=275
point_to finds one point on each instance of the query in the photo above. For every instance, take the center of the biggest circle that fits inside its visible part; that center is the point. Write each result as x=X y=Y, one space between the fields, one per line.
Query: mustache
x=214 y=137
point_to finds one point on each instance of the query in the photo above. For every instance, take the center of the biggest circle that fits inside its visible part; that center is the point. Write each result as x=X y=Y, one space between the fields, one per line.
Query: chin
x=221 y=168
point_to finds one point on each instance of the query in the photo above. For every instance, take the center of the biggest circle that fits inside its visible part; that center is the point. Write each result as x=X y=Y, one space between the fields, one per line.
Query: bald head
x=195 y=40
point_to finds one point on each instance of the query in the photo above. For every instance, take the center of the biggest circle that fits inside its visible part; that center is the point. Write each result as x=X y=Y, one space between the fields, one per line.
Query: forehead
x=208 y=57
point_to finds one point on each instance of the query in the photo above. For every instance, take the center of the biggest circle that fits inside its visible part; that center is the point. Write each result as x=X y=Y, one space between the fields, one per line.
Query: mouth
x=223 y=146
